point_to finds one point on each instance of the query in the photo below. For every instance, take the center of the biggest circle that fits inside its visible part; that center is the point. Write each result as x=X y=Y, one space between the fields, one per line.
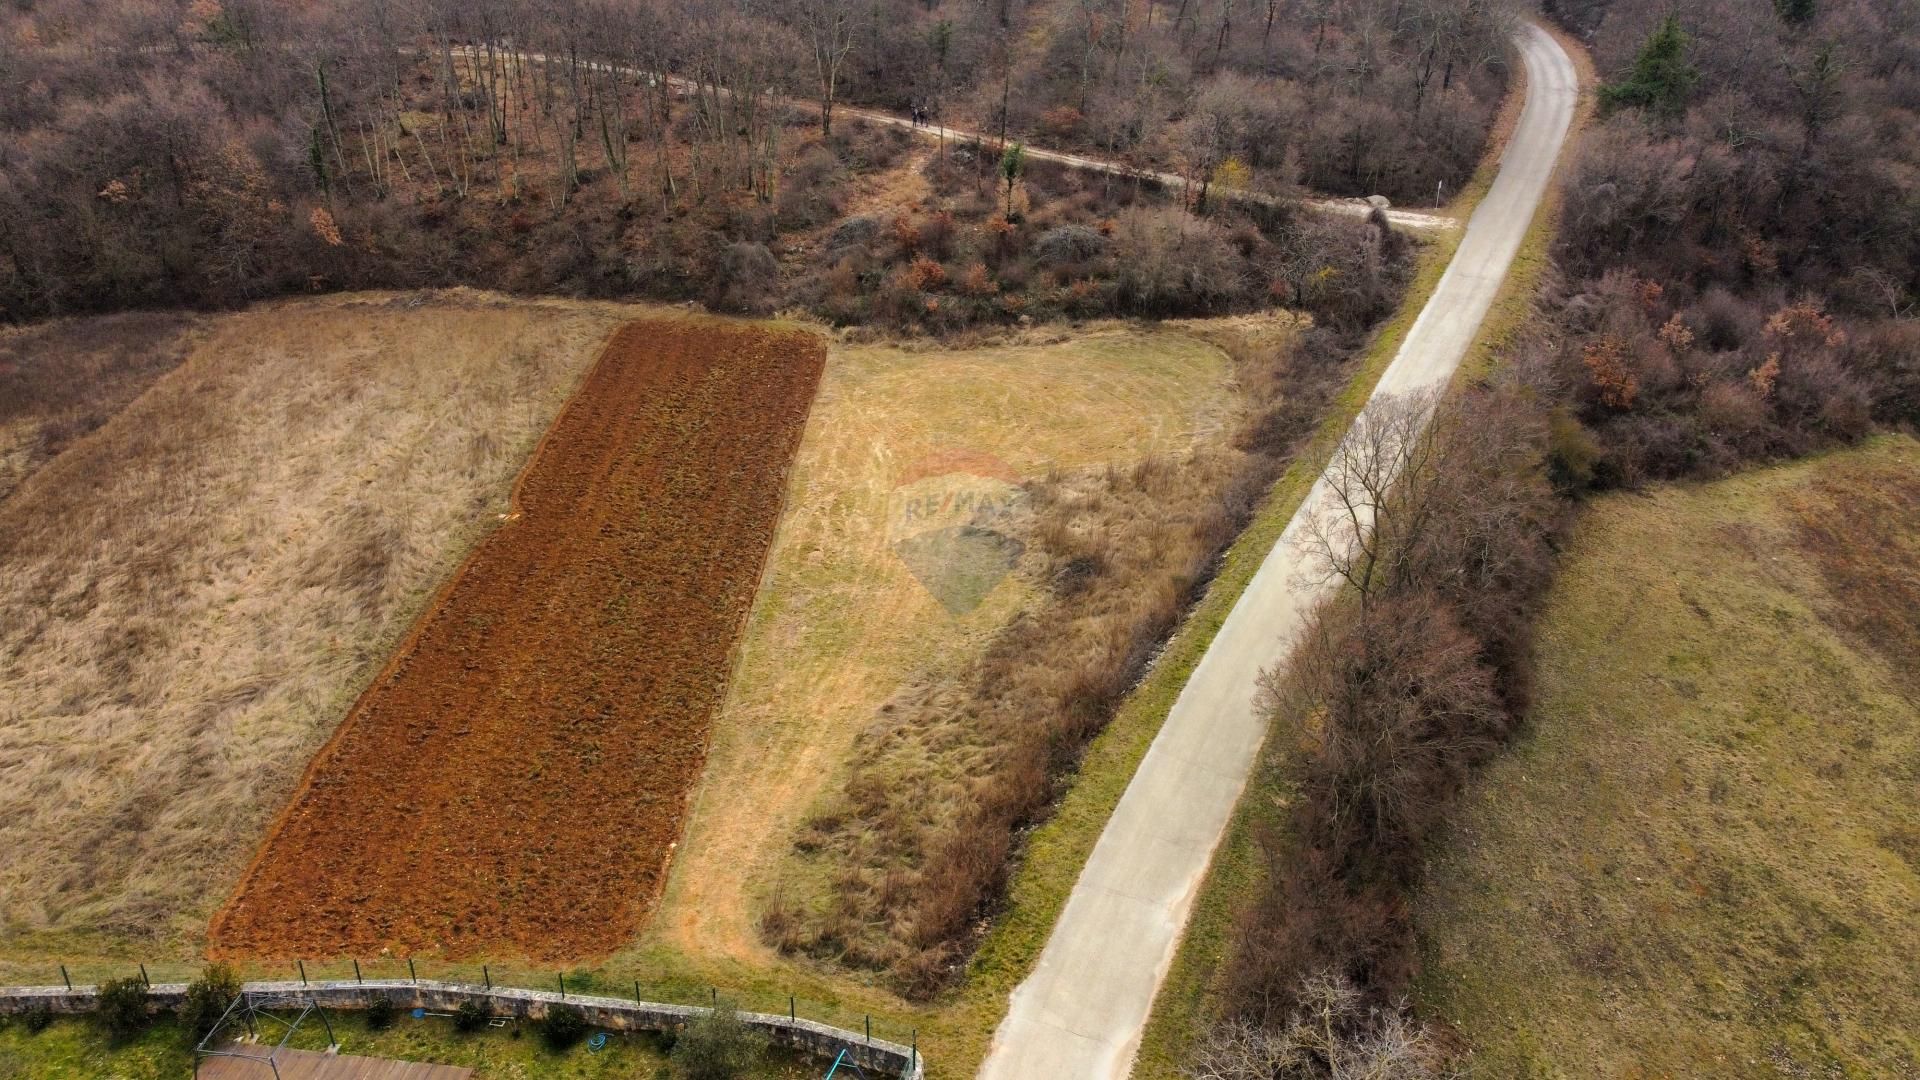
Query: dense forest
x=1735 y=280
x=1741 y=245
x=207 y=153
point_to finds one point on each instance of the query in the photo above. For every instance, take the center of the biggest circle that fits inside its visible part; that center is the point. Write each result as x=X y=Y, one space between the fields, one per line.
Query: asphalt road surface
x=1080 y=1014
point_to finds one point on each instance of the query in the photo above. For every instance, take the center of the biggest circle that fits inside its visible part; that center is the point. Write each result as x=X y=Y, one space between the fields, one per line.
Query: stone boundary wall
x=876 y=1057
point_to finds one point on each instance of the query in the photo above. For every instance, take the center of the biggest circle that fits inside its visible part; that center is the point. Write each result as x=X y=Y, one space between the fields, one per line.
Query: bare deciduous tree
x=828 y=27
x=1331 y=1035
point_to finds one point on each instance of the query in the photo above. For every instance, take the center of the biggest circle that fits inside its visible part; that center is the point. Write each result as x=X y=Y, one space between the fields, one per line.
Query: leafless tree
x=1331 y=1035
x=1435 y=493
x=1355 y=528
x=828 y=27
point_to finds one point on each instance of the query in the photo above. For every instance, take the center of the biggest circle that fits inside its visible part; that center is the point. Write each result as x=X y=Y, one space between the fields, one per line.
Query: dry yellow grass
x=61 y=379
x=841 y=621
x=191 y=596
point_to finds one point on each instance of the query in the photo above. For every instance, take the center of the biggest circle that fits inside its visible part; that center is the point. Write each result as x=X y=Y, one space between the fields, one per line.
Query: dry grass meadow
x=902 y=444
x=62 y=379
x=192 y=595
x=1704 y=860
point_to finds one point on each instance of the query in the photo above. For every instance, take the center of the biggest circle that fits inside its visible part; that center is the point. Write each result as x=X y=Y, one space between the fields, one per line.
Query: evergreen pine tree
x=1797 y=12
x=1661 y=79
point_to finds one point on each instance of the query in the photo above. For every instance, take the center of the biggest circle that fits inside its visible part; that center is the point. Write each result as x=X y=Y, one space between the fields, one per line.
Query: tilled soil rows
x=515 y=780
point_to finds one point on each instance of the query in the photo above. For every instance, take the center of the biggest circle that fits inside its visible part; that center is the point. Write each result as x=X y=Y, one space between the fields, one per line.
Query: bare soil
x=515 y=782
x=215 y=563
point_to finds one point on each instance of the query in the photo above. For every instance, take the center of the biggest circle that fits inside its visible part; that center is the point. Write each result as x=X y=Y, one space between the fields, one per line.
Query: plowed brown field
x=515 y=780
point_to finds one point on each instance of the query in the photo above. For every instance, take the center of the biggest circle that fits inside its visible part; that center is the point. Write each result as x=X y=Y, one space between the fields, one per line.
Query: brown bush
x=1173 y=263
x=923 y=274
x=1396 y=689
x=747 y=280
x=1331 y=1034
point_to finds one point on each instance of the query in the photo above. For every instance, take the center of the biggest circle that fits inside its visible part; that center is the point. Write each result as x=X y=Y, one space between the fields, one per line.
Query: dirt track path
x=1410 y=219
x=513 y=783
x=1082 y=1011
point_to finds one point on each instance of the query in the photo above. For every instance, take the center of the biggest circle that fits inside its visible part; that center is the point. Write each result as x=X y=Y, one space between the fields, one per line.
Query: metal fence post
x=793 y=1011
x=562 y=976
x=65 y=978
x=487 y=975
x=356 y=972
x=636 y=991
x=148 y=983
x=303 y=971
x=412 y=975
x=869 y=1029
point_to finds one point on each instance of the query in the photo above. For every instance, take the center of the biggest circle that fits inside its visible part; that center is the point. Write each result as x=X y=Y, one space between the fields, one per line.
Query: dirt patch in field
x=516 y=780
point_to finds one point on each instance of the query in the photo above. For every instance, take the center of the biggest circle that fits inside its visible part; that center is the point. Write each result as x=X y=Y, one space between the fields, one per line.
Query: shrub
x=924 y=274
x=381 y=1012
x=1069 y=244
x=746 y=281
x=470 y=1016
x=37 y=1018
x=1172 y=263
x=718 y=1046
x=855 y=232
x=1572 y=452
x=1329 y=1036
x=937 y=233
x=122 y=1007
x=562 y=1026
x=978 y=283
x=208 y=998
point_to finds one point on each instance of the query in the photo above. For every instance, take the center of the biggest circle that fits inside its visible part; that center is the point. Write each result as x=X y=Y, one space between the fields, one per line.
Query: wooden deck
x=308 y=1065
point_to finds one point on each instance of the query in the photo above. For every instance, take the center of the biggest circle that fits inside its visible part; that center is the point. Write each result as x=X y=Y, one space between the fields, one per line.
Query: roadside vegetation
x=920 y=839
x=1733 y=285
x=1368 y=98
x=1703 y=858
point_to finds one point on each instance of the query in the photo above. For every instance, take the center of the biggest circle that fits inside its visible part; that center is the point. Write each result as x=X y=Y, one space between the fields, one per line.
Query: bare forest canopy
x=1741 y=239
x=158 y=153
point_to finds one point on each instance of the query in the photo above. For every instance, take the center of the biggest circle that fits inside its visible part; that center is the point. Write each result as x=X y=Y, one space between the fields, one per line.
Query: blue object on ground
x=419 y=1014
x=594 y=1044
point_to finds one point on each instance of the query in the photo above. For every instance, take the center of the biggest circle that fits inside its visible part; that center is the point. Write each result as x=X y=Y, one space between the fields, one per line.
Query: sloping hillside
x=1705 y=859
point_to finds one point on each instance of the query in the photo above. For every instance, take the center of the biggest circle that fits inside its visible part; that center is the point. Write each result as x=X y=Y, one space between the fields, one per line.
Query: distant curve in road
x=1081 y=1012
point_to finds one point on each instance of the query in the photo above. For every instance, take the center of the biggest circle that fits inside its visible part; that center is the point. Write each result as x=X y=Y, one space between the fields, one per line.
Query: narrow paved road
x=1080 y=1014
